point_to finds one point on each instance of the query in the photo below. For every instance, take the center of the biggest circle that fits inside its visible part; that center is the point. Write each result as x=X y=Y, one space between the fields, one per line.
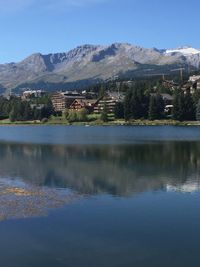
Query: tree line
x=142 y=104
x=17 y=110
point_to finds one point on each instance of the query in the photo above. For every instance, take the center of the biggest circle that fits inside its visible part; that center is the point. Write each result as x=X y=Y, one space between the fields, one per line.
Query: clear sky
x=29 y=26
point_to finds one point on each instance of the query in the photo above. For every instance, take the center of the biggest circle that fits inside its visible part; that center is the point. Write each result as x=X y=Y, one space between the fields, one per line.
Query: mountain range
x=89 y=64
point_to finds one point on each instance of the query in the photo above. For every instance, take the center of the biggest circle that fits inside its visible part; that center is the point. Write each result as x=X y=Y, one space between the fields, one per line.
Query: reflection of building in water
x=188 y=187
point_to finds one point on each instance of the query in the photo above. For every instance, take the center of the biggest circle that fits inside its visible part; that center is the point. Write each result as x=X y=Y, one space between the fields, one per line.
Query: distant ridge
x=94 y=63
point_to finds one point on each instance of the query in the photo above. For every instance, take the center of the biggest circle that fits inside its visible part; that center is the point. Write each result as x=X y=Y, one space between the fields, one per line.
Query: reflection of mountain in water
x=188 y=187
x=117 y=170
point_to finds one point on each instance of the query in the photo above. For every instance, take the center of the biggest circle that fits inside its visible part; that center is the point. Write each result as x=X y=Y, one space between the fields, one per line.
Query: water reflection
x=119 y=170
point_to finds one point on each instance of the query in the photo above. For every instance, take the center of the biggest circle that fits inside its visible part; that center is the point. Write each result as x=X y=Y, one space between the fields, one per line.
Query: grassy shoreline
x=100 y=123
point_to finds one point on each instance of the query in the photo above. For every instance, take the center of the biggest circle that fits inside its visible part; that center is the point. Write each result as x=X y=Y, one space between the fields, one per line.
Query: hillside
x=94 y=63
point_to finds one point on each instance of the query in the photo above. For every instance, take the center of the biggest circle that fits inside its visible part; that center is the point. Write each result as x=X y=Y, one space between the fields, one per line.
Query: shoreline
x=110 y=123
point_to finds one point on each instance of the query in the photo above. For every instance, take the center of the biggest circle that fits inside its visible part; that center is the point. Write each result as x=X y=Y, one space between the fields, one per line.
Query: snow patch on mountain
x=186 y=51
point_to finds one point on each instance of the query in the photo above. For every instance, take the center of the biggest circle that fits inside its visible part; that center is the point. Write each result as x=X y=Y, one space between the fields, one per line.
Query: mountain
x=185 y=51
x=94 y=63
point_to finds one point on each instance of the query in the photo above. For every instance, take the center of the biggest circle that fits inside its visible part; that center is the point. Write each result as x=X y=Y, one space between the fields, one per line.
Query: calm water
x=99 y=196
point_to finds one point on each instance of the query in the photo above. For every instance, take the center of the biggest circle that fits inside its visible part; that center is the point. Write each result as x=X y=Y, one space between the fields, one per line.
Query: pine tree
x=135 y=105
x=189 y=107
x=145 y=106
x=176 y=109
x=156 y=107
x=160 y=106
x=184 y=106
x=12 y=116
x=119 y=110
x=104 y=114
x=102 y=91
x=127 y=105
x=153 y=108
x=178 y=105
x=27 y=114
x=198 y=111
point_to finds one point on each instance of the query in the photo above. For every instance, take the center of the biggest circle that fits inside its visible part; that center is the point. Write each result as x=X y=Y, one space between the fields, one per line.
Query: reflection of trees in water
x=119 y=170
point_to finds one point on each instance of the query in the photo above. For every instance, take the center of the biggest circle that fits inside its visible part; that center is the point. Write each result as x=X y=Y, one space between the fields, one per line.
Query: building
x=198 y=84
x=63 y=100
x=127 y=84
x=88 y=104
x=194 y=86
x=168 y=110
x=170 y=85
x=118 y=96
x=187 y=87
x=168 y=101
x=194 y=78
x=167 y=98
x=107 y=102
x=58 y=101
x=32 y=93
x=37 y=106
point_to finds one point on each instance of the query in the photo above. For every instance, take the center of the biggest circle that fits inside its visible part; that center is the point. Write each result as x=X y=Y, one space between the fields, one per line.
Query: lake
x=99 y=196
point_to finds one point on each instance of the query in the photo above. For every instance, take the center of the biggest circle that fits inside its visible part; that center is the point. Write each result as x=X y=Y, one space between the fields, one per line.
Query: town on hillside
x=125 y=100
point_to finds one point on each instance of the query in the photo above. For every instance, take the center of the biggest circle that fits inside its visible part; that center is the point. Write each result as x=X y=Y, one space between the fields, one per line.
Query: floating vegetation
x=24 y=201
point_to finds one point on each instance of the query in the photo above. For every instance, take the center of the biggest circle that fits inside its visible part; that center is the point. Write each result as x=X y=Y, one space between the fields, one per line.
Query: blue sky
x=29 y=26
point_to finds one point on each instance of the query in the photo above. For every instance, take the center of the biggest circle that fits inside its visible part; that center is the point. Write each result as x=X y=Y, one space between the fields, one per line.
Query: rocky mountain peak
x=89 y=63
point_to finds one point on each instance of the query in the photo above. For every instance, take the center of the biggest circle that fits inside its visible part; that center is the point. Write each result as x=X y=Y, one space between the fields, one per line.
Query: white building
x=194 y=78
x=28 y=93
